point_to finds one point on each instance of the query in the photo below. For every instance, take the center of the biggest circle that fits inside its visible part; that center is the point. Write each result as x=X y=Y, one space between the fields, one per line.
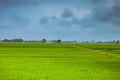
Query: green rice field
x=37 y=61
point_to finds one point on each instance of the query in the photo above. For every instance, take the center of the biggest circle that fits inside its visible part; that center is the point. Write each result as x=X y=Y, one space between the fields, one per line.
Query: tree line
x=60 y=41
x=42 y=40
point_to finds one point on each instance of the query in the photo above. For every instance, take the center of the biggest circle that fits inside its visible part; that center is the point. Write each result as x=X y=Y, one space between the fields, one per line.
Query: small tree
x=5 y=40
x=117 y=42
x=17 y=40
x=59 y=41
x=43 y=40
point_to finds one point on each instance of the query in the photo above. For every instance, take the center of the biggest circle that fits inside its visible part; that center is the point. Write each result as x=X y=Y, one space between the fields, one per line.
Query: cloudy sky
x=60 y=19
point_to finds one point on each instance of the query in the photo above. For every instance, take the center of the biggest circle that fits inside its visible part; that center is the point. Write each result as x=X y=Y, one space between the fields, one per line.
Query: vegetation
x=37 y=61
x=43 y=40
x=14 y=40
x=111 y=48
x=59 y=41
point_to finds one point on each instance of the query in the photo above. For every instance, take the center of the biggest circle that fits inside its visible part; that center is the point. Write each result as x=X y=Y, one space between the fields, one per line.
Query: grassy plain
x=36 y=61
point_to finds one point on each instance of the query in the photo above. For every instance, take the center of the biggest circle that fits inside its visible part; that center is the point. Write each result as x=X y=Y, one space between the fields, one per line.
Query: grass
x=35 y=61
x=110 y=48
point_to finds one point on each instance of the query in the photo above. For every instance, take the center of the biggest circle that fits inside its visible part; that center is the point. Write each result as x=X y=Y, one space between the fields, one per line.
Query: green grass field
x=36 y=61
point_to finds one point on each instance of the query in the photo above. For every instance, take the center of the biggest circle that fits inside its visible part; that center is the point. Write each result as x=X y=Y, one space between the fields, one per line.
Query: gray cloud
x=99 y=1
x=14 y=2
x=67 y=13
x=66 y=19
x=19 y=20
x=44 y=20
x=13 y=21
x=107 y=11
x=43 y=2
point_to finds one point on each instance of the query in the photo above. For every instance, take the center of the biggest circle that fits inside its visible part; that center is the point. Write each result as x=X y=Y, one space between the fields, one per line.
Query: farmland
x=37 y=61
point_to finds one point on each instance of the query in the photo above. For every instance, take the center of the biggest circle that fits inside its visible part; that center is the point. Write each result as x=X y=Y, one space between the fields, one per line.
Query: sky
x=81 y=20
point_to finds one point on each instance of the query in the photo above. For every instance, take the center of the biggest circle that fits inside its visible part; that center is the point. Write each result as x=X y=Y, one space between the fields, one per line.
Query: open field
x=36 y=61
x=111 y=48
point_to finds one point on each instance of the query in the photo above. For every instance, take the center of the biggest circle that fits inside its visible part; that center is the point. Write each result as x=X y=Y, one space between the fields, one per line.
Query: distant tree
x=43 y=40
x=59 y=41
x=117 y=42
x=17 y=40
x=5 y=40
x=14 y=40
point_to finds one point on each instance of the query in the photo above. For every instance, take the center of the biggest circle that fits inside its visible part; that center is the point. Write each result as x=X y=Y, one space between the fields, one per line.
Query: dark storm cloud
x=107 y=11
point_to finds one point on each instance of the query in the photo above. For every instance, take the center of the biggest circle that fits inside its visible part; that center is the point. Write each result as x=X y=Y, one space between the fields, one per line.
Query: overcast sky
x=60 y=19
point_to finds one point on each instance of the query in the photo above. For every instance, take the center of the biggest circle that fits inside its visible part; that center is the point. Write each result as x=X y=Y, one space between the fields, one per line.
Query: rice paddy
x=37 y=61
